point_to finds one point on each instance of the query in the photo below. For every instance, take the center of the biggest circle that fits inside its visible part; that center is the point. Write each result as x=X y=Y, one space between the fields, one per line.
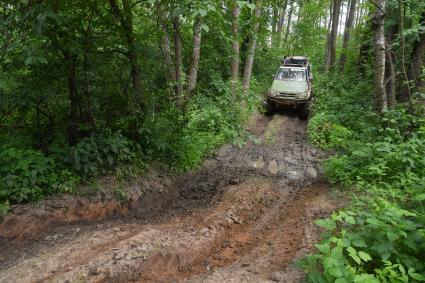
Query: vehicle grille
x=286 y=95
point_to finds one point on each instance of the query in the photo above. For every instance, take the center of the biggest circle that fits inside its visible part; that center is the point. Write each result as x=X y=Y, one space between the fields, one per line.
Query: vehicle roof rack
x=295 y=61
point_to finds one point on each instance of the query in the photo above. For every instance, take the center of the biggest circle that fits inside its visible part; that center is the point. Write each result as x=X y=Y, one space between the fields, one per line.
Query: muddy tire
x=270 y=108
x=304 y=111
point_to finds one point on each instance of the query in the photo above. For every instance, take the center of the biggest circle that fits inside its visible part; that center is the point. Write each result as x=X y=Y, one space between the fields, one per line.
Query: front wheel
x=304 y=110
x=270 y=107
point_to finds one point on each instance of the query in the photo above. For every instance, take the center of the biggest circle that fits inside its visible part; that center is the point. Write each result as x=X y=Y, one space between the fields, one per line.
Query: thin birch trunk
x=178 y=61
x=347 y=35
x=234 y=70
x=251 y=48
x=196 y=54
x=379 y=62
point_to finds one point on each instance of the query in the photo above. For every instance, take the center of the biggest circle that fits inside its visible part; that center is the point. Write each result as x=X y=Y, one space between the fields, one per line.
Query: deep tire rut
x=245 y=216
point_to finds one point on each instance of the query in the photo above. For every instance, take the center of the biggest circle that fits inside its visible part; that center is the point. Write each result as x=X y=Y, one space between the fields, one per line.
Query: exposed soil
x=245 y=216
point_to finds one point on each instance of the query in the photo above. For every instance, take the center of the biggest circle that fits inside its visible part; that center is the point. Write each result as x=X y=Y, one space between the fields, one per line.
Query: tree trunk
x=300 y=6
x=178 y=61
x=234 y=71
x=358 y=13
x=331 y=46
x=125 y=18
x=390 y=79
x=74 y=113
x=417 y=59
x=390 y=74
x=288 y=25
x=165 y=46
x=379 y=62
x=251 y=48
x=406 y=93
x=341 y=16
x=347 y=35
x=328 y=38
x=329 y=21
x=281 y=23
x=275 y=20
x=196 y=53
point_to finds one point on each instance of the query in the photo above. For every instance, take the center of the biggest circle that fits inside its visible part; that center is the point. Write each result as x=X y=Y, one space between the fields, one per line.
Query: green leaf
x=323 y=248
x=326 y=223
x=335 y=271
x=205 y=27
x=364 y=256
x=251 y=6
x=28 y=61
x=340 y=280
x=365 y=278
x=202 y=12
x=353 y=254
x=359 y=243
x=415 y=275
x=350 y=220
x=420 y=197
x=241 y=3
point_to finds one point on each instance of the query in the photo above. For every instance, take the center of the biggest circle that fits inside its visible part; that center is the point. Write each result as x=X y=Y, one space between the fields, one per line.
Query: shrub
x=372 y=241
x=380 y=237
x=28 y=175
x=95 y=155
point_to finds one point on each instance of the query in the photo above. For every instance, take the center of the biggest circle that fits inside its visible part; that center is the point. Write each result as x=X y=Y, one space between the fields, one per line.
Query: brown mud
x=245 y=216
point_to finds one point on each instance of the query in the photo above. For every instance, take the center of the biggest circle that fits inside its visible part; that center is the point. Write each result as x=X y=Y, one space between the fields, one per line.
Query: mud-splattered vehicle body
x=291 y=86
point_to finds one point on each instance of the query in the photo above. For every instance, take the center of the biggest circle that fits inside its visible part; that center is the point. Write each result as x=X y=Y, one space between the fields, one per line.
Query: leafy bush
x=28 y=175
x=183 y=139
x=380 y=237
x=372 y=241
x=94 y=155
x=396 y=165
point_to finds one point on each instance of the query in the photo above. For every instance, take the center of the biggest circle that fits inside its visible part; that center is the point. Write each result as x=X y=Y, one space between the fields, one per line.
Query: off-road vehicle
x=291 y=86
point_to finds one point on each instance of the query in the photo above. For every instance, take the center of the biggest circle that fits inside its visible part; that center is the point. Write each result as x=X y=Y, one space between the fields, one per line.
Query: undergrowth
x=380 y=161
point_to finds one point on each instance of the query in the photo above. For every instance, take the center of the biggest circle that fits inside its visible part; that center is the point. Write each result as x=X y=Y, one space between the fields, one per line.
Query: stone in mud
x=311 y=172
x=294 y=176
x=273 y=167
x=259 y=163
x=290 y=160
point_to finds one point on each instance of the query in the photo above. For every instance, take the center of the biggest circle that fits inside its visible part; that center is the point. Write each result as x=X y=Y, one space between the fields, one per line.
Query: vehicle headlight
x=302 y=95
x=272 y=93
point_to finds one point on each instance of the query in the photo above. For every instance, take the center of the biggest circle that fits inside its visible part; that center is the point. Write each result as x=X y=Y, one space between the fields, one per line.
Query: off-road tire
x=270 y=108
x=304 y=110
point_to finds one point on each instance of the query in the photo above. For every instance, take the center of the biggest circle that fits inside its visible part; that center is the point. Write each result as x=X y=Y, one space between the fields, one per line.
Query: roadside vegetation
x=379 y=161
x=377 y=147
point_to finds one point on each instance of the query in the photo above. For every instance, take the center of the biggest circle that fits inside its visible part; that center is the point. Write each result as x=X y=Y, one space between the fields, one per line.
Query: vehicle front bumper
x=286 y=101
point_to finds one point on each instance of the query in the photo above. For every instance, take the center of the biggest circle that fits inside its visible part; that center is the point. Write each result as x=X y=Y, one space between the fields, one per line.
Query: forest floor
x=245 y=216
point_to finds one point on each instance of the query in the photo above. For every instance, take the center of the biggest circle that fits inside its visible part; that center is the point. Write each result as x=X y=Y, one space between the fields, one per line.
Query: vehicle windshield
x=291 y=74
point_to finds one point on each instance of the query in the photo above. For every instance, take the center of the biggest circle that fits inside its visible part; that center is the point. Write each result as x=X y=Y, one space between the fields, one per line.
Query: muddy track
x=245 y=216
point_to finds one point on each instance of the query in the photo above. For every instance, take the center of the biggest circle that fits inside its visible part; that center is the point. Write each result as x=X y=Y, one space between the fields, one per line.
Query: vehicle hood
x=289 y=87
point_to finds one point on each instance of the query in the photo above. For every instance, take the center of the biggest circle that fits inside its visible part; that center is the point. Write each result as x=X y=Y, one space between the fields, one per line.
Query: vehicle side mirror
x=310 y=79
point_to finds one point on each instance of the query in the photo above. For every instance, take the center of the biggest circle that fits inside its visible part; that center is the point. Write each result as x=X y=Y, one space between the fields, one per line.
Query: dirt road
x=245 y=216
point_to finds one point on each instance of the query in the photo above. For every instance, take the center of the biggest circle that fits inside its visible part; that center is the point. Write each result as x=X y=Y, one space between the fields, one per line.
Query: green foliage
x=95 y=155
x=27 y=174
x=371 y=241
x=380 y=237
x=213 y=118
